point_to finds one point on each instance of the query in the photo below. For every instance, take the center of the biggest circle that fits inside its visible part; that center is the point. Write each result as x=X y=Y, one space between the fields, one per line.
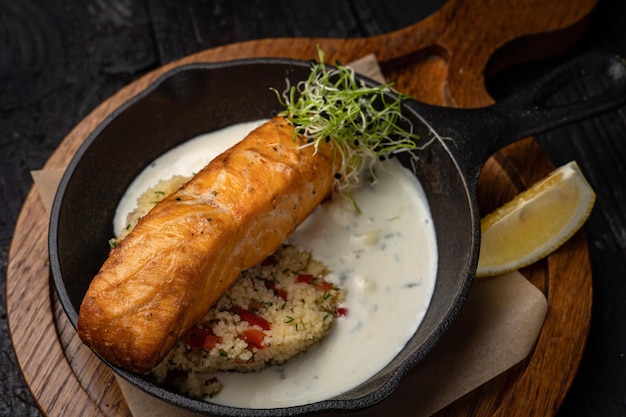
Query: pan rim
x=332 y=404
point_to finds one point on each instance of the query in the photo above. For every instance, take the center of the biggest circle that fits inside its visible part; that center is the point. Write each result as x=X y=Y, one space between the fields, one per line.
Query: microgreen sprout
x=365 y=123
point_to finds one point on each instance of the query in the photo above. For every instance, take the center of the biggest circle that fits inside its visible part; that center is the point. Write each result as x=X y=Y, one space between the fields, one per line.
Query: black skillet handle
x=534 y=110
x=475 y=134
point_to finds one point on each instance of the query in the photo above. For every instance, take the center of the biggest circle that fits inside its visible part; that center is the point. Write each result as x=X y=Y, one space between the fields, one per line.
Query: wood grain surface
x=442 y=59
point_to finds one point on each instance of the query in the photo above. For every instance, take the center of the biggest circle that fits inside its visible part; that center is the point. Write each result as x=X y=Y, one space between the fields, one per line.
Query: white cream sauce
x=385 y=257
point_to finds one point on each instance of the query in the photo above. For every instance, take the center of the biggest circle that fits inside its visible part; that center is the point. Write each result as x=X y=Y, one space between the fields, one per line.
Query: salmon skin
x=188 y=250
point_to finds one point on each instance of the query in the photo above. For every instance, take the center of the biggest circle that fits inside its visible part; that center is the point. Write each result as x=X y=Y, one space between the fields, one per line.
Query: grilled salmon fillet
x=184 y=254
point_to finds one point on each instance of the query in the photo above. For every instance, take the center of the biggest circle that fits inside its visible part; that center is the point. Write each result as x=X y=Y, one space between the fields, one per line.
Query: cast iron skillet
x=198 y=98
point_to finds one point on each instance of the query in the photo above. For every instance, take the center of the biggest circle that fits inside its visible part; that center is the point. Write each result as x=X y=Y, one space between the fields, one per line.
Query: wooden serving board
x=441 y=60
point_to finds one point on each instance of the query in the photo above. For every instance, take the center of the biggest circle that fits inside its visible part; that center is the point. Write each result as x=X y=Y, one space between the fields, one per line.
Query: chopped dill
x=365 y=123
x=327 y=310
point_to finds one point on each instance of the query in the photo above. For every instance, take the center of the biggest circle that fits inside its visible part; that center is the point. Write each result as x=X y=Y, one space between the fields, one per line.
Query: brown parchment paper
x=497 y=328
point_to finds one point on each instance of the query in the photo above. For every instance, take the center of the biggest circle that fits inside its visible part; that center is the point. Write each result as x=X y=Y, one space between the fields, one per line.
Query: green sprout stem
x=365 y=123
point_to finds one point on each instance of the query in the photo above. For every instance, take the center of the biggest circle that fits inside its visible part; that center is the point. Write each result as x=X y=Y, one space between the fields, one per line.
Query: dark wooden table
x=60 y=59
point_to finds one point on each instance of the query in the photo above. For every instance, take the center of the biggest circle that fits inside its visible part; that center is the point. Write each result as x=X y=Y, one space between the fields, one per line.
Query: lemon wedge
x=535 y=222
